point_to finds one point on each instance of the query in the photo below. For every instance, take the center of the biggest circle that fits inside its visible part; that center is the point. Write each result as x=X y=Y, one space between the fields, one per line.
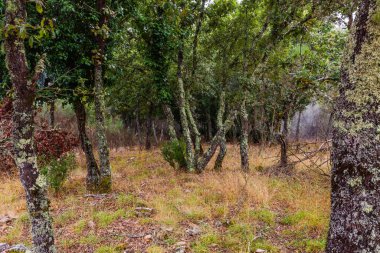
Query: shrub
x=174 y=152
x=56 y=171
x=49 y=143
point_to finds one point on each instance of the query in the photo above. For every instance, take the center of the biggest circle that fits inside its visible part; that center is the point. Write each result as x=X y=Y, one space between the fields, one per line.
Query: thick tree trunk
x=196 y=134
x=93 y=172
x=355 y=210
x=244 y=122
x=23 y=122
x=184 y=122
x=103 y=149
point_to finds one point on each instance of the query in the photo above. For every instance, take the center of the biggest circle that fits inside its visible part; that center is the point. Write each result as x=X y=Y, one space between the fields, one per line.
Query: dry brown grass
x=236 y=212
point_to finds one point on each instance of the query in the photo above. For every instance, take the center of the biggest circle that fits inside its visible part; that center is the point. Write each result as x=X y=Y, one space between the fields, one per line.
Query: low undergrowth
x=156 y=209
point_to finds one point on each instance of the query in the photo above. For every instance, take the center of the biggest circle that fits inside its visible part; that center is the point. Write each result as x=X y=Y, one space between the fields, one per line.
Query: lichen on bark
x=355 y=217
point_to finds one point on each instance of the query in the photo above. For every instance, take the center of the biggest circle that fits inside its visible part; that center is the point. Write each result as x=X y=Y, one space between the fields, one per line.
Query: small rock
x=148 y=237
x=6 y=219
x=144 y=211
x=195 y=230
x=180 y=247
x=91 y=224
x=218 y=223
x=18 y=248
x=167 y=229
x=260 y=251
x=3 y=246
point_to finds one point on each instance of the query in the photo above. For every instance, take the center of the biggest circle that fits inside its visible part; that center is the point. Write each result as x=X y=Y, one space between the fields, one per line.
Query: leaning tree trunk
x=196 y=133
x=222 y=146
x=93 y=172
x=183 y=114
x=355 y=209
x=105 y=183
x=23 y=122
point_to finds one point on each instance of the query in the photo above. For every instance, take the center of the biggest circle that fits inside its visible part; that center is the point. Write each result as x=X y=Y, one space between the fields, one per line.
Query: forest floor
x=156 y=209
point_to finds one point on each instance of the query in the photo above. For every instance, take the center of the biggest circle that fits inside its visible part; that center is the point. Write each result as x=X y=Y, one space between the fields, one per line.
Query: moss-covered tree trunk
x=93 y=172
x=170 y=121
x=219 y=120
x=195 y=132
x=23 y=122
x=98 y=58
x=182 y=109
x=244 y=122
x=355 y=209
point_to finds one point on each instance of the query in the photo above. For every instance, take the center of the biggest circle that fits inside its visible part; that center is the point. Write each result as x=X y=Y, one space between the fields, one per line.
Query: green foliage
x=264 y=215
x=174 y=152
x=56 y=171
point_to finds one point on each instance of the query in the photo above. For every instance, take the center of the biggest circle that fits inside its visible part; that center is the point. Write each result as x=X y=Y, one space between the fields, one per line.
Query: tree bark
x=355 y=210
x=284 y=141
x=23 y=122
x=222 y=146
x=105 y=184
x=170 y=120
x=205 y=159
x=244 y=122
x=196 y=133
x=183 y=114
x=93 y=172
x=244 y=145
x=298 y=126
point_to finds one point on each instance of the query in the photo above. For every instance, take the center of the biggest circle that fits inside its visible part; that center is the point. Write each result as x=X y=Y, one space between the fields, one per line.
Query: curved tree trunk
x=93 y=172
x=23 y=122
x=170 y=120
x=355 y=217
x=183 y=114
x=196 y=133
x=222 y=146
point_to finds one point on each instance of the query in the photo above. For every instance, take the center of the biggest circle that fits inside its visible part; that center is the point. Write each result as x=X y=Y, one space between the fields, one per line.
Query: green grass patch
x=264 y=215
x=155 y=249
x=89 y=240
x=103 y=219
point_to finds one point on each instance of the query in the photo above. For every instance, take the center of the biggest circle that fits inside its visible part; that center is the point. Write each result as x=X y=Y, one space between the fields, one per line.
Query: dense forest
x=189 y=126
